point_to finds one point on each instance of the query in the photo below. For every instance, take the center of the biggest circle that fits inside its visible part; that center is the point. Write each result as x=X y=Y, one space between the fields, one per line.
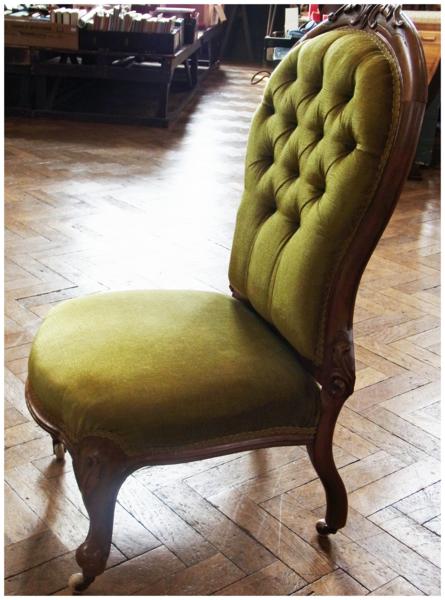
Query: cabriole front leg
x=99 y=466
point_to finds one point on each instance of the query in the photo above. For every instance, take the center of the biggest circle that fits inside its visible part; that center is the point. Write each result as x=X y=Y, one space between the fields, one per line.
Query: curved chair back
x=329 y=150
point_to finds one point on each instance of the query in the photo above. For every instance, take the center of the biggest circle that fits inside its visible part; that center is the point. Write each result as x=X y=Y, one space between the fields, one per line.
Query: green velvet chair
x=128 y=379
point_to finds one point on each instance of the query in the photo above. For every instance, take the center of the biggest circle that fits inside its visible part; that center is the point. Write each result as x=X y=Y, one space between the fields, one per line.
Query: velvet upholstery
x=317 y=146
x=162 y=369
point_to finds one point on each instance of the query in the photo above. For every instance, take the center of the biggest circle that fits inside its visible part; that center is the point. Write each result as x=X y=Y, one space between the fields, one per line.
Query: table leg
x=167 y=76
x=194 y=68
x=188 y=73
x=41 y=91
x=25 y=91
x=53 y=93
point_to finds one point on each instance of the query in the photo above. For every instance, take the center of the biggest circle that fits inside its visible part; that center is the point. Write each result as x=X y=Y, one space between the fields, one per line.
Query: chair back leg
x=322 y=458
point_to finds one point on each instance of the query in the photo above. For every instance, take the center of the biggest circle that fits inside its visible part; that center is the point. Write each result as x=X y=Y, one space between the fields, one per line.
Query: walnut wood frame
x=101 y=466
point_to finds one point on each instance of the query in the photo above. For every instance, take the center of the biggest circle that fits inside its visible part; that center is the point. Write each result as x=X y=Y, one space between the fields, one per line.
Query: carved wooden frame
x=101 y=466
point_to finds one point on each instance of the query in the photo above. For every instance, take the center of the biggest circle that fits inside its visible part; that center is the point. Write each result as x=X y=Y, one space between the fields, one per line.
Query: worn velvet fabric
x=162 y=369
x=317 y=146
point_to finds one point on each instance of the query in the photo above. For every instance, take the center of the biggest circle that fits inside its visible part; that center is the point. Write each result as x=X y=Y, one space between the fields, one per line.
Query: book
x=66 y=20
x=87 y=17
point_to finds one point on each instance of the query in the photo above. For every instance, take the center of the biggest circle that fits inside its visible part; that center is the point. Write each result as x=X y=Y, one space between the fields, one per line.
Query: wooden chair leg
x=320 y=453
x=99 y=466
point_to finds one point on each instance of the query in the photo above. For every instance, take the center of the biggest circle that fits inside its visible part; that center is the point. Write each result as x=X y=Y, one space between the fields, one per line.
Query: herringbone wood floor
x=92 y=207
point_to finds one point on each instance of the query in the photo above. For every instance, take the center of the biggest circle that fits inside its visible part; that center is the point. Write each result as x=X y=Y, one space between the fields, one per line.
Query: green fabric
x=317 y=145
x=167 y=368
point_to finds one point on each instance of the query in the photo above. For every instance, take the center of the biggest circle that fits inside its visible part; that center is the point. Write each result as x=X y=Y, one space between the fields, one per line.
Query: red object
x=314 y=13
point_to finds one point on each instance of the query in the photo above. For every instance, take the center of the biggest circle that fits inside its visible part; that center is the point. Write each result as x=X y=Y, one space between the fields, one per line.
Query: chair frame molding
x=101 y=466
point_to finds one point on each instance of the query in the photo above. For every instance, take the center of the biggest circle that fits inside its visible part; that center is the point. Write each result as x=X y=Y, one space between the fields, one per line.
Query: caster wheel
x=59 y=451
x=323 y=529
x=77 y=582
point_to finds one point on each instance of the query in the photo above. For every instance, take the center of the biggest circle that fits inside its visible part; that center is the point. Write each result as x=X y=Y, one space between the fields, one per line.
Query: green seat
x=162 y=369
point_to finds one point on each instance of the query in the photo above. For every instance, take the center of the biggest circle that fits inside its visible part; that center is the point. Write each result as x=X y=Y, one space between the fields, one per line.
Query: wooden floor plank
x=32 y=551
x=410 y=533
x=202 y=579
x=422 y=505
x=49 y=577
x=376 y=434
x=286 y=545
x=164 y=523
x=274 y=580
x=96 y=207
x=395 y=486
x=419 y=571
x=366 y=568
x=276 y=481
x=21 y=521
x=397 y=587
x=235 y=472
x=337 y=583
x=403 y=428
x=355 y=476
x=214 y=526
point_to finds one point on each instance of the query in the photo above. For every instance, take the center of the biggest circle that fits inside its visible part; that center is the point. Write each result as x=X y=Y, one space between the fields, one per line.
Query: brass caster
x=323 y=529
x=77 y=582
x=59 y=451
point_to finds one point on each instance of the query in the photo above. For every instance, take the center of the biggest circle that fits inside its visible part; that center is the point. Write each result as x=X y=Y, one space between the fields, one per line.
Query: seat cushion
x=166 y=369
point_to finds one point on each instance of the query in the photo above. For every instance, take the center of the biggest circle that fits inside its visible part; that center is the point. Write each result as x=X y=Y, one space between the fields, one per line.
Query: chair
x=129 y=379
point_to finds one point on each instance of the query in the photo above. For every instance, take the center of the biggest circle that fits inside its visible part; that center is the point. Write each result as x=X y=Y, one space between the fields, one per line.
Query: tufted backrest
x=318 y=144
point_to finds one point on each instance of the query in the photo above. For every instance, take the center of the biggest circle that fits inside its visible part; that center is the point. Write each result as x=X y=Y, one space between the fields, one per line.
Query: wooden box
x=427 y=23
x=158 y=43
x=37 y=33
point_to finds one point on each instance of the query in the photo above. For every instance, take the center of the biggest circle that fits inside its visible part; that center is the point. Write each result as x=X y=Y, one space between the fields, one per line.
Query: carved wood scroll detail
x=97 y=460
x=367 y=14
x=341 y=378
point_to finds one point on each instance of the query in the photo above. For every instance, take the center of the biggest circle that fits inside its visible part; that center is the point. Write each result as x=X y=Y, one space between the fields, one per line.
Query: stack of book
x=120 y=29
x=62 y=19
x=118 y=19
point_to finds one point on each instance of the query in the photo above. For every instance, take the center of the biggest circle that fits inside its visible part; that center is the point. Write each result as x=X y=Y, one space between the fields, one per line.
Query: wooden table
x=49 y=67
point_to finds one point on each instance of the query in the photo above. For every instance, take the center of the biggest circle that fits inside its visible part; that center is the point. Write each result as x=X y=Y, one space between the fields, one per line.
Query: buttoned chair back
x=328 y=151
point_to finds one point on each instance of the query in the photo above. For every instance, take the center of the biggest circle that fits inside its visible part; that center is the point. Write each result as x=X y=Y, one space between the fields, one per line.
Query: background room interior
x=192 y=192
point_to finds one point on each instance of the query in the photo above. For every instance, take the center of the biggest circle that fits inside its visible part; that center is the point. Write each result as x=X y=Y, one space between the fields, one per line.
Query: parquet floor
x=92 y=207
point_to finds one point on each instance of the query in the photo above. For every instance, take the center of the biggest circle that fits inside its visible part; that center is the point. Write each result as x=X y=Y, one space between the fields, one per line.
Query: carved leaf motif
x=97 y=463
x=366 y=15
x=342 y=376
x=90 y=468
